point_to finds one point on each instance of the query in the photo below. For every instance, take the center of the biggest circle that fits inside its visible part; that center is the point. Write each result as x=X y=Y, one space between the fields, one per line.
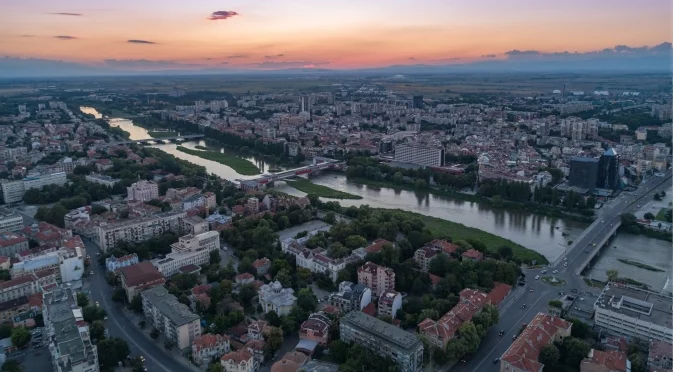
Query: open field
x=439 y=228
x=309 y=187
x=241 y=166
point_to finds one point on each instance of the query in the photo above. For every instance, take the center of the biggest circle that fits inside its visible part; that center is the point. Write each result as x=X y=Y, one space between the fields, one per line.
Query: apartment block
x=420 y=154
x=68 y=335
x=189 y=250
x=12 y=191
x=22 y=286
x=137 y=230
x=378 y=278
x=37 y=182
x=389 y=303
x=622 y=310
x=383 y=339
x=10 y=221
x=316 y=328
x=522 y=355
x=143 y=191
x=171 y=317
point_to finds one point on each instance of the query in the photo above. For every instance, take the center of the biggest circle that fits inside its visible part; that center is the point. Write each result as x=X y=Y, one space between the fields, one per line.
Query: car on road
x=593 y=244
x=543 y=272
x=513 y=337
x=97 y=304
x=574 y=290
x=530 y=290
x=523 y=306
x=501 y=333
x=555 y=272
x=565 y=264
x=561 y=293
x=537 y=277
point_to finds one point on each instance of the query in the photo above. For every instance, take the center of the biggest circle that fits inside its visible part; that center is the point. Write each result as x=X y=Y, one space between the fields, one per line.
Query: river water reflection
x=542 y=234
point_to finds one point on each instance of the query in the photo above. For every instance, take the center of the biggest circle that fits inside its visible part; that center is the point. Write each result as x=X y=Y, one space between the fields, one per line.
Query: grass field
x=458 y=231
x=661 y=215
x=162 y=134
x=309 y=187
x=241 y=166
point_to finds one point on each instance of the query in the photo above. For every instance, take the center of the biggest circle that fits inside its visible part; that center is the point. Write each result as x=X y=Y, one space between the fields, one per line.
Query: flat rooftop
x=169 y=306
x=383 y=330
x=636 y=303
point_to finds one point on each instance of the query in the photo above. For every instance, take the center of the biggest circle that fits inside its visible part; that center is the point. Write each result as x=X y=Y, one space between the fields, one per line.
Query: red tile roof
x=471 y=303
x=474 y=254
x=498 y=293
x=370 y=309
x=203 y=288
x=614 y=360
x=435 y=279
x=524 y=351
x=140 y=273
x=244 y=276
x=208 y=341
x=444 y=245
x=8 y=239
x=377 y=246
x=17 y=281
x=237 y=356
x=260 y=262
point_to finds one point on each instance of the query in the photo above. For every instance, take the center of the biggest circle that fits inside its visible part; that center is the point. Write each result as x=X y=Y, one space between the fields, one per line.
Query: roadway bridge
x=145 y=140
x=319 y=163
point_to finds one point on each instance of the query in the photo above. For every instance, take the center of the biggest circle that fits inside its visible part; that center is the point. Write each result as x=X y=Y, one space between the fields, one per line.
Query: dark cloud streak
x=65 y=37
x=67 y=14
x=137 y=41
x=221 y=15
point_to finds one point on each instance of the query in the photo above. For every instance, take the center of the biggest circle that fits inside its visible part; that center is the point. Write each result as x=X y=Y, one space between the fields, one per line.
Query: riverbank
x=309 y=187
x=457 y=231
x=501 y=204
x=241 y=166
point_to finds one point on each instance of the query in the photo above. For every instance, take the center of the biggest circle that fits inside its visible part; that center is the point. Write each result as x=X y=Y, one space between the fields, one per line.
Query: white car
x=537 y=277
x=565 y=264
x=565 y=258
x=97 y=304
x=555 y=272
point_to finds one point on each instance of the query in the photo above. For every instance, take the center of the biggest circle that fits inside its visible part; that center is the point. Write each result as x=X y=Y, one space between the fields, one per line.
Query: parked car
x=537 y=277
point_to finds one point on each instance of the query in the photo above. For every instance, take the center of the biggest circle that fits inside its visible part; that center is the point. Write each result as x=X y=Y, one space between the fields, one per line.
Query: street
x=118 y=325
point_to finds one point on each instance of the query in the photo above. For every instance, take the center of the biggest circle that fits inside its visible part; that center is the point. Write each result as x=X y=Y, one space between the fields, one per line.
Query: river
x=539 y=233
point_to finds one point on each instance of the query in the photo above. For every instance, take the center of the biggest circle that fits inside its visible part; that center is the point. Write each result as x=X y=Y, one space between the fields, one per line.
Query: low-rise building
x=19 y=287
x=10 y=221
x=378 y=278
x=238 y=361
x=101 y=179
x=207 y=347
x=171 y=317
x=262 y=266
x=383 y=339
x=622 y=310
x=68 y=336
x=660 y=356
x=316 y=328
x=113 y=263
x=389 y=303
x=351 y=297
x=473 y=254
x=523 y=354
x=605 y=361
x=10 y=309
x=138 y=277
x=273 y=297
x=12 y=243
x=188 y=250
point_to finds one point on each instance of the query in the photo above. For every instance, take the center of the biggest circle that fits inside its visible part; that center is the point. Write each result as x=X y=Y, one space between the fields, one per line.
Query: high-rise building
x=583 y=172
x=171 y=317
x=608 y=172
x=143 y=191
x=306 y=103
x=418 y=102
x=384 y=339
x=420 y=154
x=378 y=278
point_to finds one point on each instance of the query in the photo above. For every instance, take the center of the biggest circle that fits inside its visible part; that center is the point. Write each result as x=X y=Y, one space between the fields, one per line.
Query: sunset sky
x=319 y=33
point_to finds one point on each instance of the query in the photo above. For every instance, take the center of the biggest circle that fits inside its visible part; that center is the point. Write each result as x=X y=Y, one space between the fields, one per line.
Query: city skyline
x=274 y=34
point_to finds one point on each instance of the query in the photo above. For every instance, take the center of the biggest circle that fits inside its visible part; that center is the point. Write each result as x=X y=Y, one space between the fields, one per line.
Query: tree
x=168 y=344
x=5 y=330
x=505 y=252
x=273 y=318
x=330 y=218
x=420 y=185
x=246 y=293
x=576 y=350
x=82 y=299
x=215 y=257
x=20 y=337
x=215 y=367
x=119 y=295
x=549 y=355
x=306 y=300
x=274 y=338
x=11 y=366
x=111 y=351
x=137 y=304
x=284 y=278
x=649 y=216
x=339 y=350
x=142 y=324
x=97 y=330
x=154 y=334
x=398 y=177
x=612 y=274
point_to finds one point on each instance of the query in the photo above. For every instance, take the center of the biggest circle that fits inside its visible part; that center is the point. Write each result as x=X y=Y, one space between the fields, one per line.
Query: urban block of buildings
x=188 y=250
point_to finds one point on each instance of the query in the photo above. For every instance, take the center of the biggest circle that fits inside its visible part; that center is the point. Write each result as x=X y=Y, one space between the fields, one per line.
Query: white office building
x=627 y=311
x=426 y=155
x=101 y=179
x=189 y=250
x=12 y=191
x=10 y=221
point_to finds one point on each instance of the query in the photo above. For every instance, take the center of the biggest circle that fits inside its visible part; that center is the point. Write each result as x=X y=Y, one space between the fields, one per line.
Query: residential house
x=376 y=246
x=244 y=278
x=473 y=254
x=238 y=361
x=257 y=329
x=316 y=328
x=207 y=347
x=262 y=266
